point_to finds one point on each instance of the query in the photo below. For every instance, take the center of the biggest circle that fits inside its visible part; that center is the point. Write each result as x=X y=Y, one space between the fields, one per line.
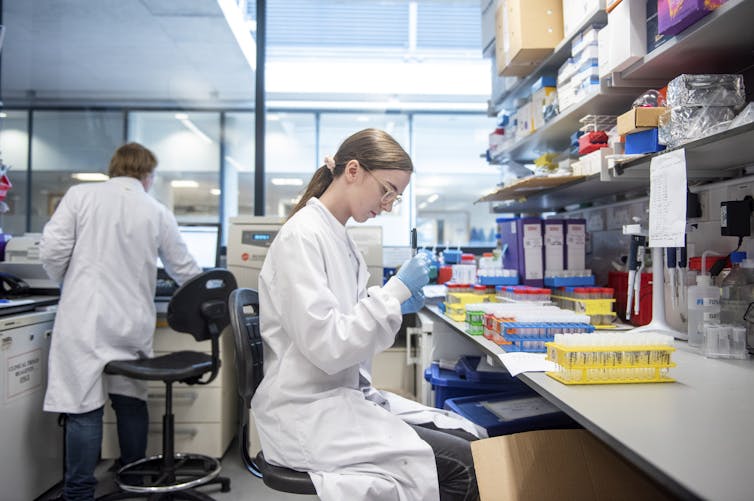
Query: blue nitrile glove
x=413 y=304
x=414 y=273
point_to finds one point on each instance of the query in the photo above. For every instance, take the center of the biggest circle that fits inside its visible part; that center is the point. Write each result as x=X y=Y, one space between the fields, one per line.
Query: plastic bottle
x=734 y=290
x=703 y=306
x=737 y=293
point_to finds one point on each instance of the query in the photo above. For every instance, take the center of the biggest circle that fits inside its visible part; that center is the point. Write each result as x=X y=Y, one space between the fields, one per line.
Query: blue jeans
x=83 y=441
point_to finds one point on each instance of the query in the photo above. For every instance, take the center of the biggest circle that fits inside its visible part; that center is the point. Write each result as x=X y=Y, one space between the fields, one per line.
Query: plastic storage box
x=467 y=368
x=447 y=384
x=510 y=412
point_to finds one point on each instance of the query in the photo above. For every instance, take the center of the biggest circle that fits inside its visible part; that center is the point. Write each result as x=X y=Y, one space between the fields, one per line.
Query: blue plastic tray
x=528 y=412
x=447 y=384
x=466 y=369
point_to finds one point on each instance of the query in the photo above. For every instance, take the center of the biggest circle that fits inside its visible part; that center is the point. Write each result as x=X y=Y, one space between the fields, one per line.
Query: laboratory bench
x=692 y=436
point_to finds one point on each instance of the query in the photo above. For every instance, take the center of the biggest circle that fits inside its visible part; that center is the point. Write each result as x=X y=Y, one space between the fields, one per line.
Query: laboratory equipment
x=369 y=241
x=635 y=264
x=31 y=442
x=249 y=238
x=414 y=247
x=23 y=249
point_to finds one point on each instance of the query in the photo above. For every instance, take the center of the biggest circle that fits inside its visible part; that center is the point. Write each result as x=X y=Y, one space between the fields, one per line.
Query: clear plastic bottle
x=737 y=293
x=703 y=306
x=735 y=289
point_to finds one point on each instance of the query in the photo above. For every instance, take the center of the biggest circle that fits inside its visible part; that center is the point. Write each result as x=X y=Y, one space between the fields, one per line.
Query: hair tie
x=330 y=163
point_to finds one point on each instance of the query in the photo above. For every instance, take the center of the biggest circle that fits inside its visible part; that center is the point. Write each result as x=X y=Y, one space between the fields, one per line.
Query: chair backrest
x=200 y=306
x=244 y=321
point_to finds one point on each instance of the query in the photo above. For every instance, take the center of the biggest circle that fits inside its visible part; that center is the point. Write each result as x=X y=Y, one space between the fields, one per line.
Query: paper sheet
x=518 y=362
x=667 y=199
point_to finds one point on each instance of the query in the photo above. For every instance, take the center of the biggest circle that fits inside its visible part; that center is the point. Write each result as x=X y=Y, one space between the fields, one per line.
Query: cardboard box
x=530 y=30
x=556 y=465
x=638 y=119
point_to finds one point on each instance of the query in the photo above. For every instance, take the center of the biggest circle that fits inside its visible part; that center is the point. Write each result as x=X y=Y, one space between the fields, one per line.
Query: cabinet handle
x=179 y=397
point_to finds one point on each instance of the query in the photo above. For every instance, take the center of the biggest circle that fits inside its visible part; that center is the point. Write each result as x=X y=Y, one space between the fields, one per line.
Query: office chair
x=244 y=320
x=200 y=308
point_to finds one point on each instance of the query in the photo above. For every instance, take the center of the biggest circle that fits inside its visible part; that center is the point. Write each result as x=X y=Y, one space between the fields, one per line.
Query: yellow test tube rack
x=600 y=311
x=610 y=364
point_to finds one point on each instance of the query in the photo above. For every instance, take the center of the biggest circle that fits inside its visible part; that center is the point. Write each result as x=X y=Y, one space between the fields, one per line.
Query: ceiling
x=120 y=51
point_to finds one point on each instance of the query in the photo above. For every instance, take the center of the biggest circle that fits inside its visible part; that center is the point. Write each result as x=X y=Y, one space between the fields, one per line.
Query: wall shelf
x=719 y=156
x=720 y=42
x=555 y=135
x=550 y=65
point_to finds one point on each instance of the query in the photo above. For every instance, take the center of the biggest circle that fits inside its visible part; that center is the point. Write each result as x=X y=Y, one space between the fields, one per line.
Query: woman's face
x=376 y=191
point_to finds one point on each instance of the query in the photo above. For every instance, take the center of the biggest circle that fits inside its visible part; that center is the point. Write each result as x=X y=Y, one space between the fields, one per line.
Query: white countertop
x=694 y=436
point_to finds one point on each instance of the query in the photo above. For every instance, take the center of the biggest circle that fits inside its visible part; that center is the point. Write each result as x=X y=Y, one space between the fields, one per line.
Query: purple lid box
x=674 y=16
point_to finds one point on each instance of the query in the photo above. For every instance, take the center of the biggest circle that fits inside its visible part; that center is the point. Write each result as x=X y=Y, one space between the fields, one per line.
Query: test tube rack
x=610 y=364
x=532 y=337
x=600 y=311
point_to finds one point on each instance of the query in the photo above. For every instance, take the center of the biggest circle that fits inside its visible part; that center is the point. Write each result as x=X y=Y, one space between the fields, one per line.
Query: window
x=450 y=177
x=290 y=159
x=14 y=145
x=187 y=146
x=66 y=146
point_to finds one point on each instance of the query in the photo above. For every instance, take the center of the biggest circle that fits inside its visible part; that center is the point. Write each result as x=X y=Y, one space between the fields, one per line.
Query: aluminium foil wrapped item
x=706 y=90
x=682 y=124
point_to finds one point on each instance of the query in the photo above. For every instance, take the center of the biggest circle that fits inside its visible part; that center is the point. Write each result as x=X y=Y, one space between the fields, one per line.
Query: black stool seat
x=200 y=308
x=284 y=479
x=173 y=367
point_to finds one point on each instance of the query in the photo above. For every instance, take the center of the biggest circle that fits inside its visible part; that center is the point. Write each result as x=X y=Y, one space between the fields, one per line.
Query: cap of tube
x=703 y=280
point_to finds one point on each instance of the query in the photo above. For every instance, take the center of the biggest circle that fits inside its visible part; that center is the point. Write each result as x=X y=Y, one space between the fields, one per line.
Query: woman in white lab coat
x=315 y=409
x=101 y=245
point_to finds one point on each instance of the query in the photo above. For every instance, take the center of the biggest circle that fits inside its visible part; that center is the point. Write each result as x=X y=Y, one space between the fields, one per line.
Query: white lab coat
x=319 y=326
x=101 y=245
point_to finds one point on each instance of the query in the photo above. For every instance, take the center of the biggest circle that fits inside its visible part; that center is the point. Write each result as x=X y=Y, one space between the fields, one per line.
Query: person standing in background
x=101 y=245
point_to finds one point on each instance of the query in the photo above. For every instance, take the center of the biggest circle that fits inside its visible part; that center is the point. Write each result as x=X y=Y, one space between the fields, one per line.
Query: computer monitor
x=203 y=242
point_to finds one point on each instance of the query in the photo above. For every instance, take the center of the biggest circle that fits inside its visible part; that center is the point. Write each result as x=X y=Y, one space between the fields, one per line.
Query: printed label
x=707 y=301
x=24 y=372
x=711 y=316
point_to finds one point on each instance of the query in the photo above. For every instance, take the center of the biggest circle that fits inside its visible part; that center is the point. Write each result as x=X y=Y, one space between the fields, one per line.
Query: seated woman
x=315 y=409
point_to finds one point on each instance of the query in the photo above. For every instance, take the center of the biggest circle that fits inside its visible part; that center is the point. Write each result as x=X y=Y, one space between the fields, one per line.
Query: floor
x=243 y=485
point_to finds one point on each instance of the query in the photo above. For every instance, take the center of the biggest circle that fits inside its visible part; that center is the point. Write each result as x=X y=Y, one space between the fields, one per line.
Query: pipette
x=636 y=245
x=641 y=257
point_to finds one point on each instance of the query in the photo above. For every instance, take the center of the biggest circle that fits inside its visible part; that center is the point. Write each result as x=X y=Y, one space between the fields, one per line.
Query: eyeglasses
x=390 y=196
